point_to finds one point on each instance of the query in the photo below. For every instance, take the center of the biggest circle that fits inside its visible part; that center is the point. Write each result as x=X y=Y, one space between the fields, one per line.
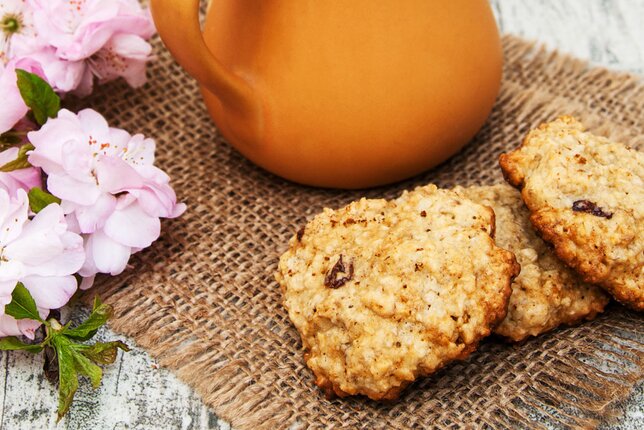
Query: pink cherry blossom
x=13 y=108
x=41 y=253
x=81 y=39
x=124 y=55
x=110 y=189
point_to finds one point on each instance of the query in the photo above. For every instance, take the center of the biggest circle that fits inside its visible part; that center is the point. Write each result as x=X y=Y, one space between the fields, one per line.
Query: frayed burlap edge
x=203 y=302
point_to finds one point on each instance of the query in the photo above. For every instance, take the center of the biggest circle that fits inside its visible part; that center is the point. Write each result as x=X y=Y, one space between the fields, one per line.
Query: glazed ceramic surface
x=341 y=93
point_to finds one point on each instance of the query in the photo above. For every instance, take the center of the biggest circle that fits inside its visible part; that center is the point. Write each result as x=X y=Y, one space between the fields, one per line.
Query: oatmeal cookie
x=546 y=293
x=586 y=196
x=383 y=292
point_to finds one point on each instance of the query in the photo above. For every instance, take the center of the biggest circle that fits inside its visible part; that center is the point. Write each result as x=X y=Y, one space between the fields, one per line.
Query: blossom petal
x=50 y=140
x=125 y=55
x=157 y=197
x=94 y=124
x=39 y=241
x=77 y=159
x=68 y=188
x=28 y=327
x=89 y=268
x=11 y=271
x=51 y=292
x=6 y=288
x=115 y=175
x=109 y=256
x=91 y=218
x=25 y=179
x=13 y=215
x=45 y=247
x=9 y=326
x=67 y=262
x=140 y=153
x=132 y=227
x=87 y=282
x=85 y=84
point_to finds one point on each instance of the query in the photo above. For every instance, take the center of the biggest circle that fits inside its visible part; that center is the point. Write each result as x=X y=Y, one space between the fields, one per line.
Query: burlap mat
x=203 y=301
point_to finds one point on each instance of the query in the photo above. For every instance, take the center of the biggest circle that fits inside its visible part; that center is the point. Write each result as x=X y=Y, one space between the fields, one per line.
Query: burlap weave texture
x=203 y=301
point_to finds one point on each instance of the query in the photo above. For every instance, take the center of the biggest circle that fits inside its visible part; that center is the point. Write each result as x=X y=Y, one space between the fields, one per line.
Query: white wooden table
x=136 y=394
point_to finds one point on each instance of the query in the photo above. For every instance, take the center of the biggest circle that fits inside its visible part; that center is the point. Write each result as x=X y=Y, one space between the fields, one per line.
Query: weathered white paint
x=607 y=32
x=136 y=394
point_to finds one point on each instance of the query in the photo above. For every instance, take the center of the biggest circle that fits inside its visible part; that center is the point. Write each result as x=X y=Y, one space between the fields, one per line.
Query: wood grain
x=136 y=394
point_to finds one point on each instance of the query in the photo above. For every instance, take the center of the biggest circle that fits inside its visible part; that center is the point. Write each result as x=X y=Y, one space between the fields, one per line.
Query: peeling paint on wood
x=136 y=394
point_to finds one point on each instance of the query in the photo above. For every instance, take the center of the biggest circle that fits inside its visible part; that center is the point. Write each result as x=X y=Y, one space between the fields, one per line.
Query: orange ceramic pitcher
x=340 y=93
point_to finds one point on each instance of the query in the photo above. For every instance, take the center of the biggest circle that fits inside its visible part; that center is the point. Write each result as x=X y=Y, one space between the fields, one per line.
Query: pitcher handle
x=177 y=22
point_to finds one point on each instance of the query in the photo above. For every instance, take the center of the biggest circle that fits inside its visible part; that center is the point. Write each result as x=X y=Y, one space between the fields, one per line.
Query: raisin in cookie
x=383 y=292
x=586 y=196
x=546 y=293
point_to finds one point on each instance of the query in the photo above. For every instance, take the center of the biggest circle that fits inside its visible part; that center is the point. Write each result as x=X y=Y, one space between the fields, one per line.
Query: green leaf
x=39 y=199
x=12 y=343
x=38 y=95
x=68 y=377
x=66 y=360
x=103 y=352
x=85 y=367
x=22 y=305
x=88 y=328
x=21 y=161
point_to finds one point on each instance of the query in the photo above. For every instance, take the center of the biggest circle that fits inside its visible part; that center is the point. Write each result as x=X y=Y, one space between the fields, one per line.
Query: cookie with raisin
x=384 y=292
x=547 y=293
x=585 y=194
